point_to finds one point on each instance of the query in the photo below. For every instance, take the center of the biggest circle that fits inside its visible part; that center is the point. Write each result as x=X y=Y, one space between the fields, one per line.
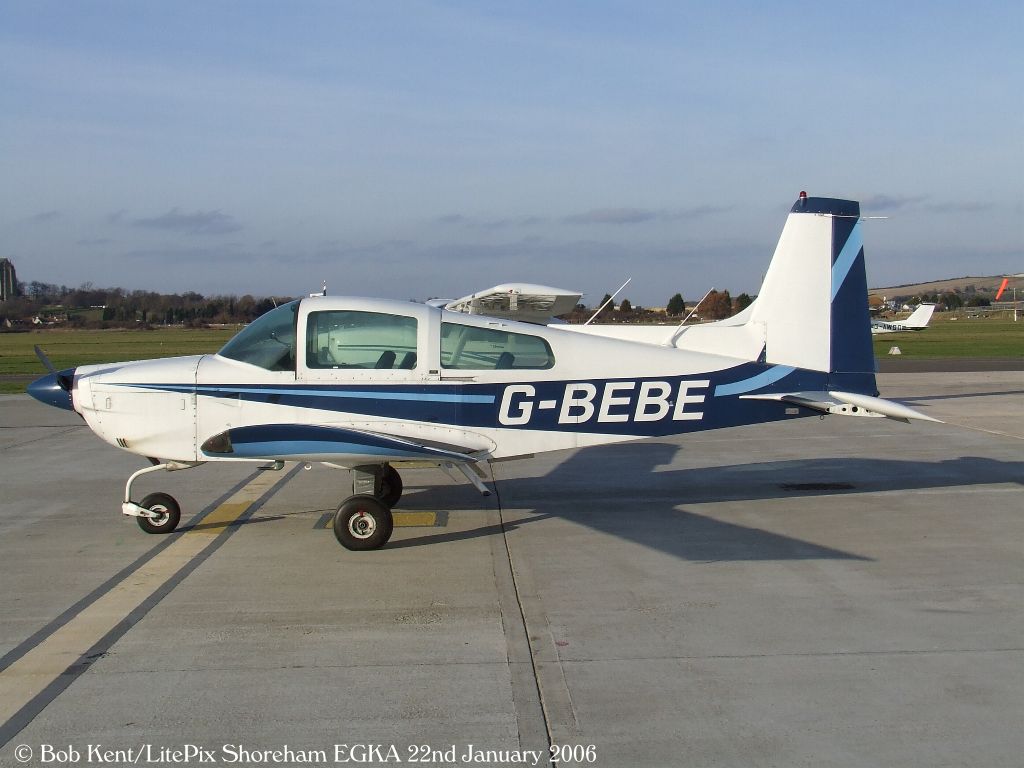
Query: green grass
x=67 y=348
x=963 y=338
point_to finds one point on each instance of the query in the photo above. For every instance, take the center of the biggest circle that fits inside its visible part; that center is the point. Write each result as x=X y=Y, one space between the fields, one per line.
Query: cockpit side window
x=351 y=339
x=268 y=341
x=469 y=347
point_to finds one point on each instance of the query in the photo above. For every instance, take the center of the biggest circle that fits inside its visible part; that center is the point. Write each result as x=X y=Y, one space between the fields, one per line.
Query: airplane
x=375 y=385
x=917 y=321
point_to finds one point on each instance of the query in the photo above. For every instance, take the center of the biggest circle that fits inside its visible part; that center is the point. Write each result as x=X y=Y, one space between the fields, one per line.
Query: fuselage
x=324 y=378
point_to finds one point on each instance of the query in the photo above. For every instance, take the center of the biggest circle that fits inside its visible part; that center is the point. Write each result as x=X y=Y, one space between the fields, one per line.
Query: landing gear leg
x=158 y=512
x=382 y=482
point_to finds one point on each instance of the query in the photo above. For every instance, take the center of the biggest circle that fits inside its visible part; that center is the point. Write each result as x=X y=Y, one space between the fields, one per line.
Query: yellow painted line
x=400 y=519
x=27 y=677
x=222 y=517
x=414 y=519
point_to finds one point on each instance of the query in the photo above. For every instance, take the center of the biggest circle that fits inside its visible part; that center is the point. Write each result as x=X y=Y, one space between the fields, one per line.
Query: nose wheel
x=165 y=513
x=363 y=522
x=157 y=512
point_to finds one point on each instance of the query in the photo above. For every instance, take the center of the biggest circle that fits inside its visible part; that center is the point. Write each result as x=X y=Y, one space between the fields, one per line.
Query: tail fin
x=920 y=317
x=813 y=303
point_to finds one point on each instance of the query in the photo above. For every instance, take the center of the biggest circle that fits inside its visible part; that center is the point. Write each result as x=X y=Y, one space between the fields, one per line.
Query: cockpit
x=343 y=338
x=268 y=341
x=312 y=337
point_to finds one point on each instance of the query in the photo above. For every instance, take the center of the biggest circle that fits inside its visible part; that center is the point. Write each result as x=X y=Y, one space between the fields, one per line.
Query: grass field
x=19 y=364
x=945 y=337
x=962 y=338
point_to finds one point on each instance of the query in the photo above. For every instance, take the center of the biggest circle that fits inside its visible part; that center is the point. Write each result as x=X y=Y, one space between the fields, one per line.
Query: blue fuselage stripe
x=644 y=406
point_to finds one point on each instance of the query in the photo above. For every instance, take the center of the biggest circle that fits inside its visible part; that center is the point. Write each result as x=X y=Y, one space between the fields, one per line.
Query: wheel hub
x=362 y=525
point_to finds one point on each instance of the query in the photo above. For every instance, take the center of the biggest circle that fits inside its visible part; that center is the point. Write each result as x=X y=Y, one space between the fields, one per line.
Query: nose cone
x=54 y=389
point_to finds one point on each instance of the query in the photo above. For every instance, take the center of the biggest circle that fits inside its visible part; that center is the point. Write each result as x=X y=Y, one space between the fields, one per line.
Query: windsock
x=1002 y=288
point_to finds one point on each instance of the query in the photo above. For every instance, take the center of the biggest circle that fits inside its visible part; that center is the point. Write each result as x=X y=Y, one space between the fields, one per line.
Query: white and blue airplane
x=369 y=385
x=917 y=321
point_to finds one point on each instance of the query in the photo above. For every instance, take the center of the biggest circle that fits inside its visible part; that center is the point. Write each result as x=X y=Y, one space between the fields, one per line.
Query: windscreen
x=269 y=341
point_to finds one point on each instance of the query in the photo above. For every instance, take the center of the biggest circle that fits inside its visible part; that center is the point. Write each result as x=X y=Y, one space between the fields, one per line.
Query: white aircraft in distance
x=369 y=385
x=917 y=321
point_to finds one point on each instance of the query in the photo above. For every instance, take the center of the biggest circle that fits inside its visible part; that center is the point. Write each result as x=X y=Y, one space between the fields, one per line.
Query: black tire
x=390 y=486
x=170 y=513
x=362 y=522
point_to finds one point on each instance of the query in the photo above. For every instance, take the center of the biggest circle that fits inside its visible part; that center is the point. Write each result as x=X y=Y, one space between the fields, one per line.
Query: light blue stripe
x=770 y=376
x=414 y=396
x=265 y=448
x=417 y=396
x=308 y=448
x=846 y=258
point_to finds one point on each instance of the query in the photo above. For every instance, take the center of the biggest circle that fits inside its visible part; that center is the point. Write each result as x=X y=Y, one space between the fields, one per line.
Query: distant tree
x=625 y=307
x=606 y=310
x=978 y=301
x=743 y=301
x=717 y=305
x=676 y=305
x=951 y=300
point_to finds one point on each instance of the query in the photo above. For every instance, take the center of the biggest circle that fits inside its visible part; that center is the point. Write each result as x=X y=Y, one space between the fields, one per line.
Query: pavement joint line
x=30 y=683
x=794 y=655
x=985 y=431
x=49 y=436
x=527 y=697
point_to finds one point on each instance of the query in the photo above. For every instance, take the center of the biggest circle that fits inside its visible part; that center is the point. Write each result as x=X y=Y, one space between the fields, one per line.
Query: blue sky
x=422 y=149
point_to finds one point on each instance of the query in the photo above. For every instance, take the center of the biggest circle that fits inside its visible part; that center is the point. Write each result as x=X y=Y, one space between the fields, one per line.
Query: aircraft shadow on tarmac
x=617 y=490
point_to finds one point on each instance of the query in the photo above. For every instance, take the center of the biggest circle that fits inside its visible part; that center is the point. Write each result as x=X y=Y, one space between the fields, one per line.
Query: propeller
x=63 y=379
x=54 y=389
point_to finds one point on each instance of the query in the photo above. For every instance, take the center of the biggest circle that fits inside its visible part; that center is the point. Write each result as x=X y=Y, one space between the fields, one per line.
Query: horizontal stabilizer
x=888 y=408
x=846 y=404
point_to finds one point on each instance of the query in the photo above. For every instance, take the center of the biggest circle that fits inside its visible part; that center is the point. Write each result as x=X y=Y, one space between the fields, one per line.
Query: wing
x=539 y=304
x=342 y=445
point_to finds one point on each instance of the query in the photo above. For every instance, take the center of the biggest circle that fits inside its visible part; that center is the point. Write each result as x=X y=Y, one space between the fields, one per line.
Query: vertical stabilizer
x=813 y=302
x=920 y=317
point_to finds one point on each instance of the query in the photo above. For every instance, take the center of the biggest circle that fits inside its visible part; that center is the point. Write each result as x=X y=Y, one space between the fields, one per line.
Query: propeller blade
x=44 y=360
x=64 y=381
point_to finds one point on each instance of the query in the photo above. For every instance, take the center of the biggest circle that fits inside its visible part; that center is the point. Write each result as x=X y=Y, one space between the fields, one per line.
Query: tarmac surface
x=837 y=592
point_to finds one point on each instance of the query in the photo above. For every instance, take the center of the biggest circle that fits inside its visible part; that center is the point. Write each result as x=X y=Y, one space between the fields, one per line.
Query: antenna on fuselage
x=610 y=300
x=671 y=340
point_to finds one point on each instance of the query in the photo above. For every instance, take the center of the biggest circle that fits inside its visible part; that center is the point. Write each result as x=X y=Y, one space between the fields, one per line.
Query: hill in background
x=963 y=285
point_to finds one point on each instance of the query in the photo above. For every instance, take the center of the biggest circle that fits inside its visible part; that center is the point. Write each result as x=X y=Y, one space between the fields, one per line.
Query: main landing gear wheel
x=362 y=522
x=168 y=513
x=390 y=486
